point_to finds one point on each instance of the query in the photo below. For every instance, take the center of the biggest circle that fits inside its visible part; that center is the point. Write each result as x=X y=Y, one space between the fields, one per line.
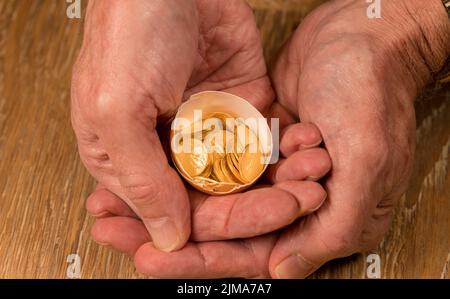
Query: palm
x=230 y=56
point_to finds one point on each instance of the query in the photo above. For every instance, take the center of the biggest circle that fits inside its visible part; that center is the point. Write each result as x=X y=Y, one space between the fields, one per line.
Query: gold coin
x=219 y=142
x=233 y=168
x=221 y=156
x=235 y=157
x=217 y=170
x=207 y=172
x=243 y=136
x=227 y=173
x=227 y=121
x=250 y=166
x=213 y=176
x=194 y=161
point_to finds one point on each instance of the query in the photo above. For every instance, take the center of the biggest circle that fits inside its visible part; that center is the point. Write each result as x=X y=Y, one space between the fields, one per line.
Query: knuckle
x=315 y=162
x=318 y=190
x=95 y=160
x=141 y=190
x=312 y=132
x=95 y=165
x=323 y=159
x=372 y=151
x=342 y=241
x=100 y=100
x=144 y=263
x=108 y=107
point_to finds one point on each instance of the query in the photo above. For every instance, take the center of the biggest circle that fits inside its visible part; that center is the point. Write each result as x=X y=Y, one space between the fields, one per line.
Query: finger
x=240 y=215
x=145 y=177
x=103 y=203
x=298 y=253
x=331 y=232
x=258 y=92
x=309 y=164
x=219 y=259
x=299 y=136
x=254 y=212
x=122 y=233
x=283 y=115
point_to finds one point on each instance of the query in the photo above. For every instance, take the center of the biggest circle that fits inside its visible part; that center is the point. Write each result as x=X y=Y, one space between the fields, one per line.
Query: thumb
x=314 y=240
x=145 y=179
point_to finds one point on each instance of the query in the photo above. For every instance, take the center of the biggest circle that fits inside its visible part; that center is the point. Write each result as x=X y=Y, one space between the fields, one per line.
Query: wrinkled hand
x=139 y=60
x=119 y=227
x=356 y=79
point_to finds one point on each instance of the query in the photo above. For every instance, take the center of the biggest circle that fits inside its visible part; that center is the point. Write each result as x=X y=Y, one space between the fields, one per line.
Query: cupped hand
x=356 y=79
x=119 y=227
x=138 y=61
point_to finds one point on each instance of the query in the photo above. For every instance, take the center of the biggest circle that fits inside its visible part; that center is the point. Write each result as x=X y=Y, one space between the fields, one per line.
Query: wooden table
x=43 y=185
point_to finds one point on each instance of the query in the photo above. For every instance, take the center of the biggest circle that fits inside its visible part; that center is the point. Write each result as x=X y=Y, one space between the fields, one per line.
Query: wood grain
x=43 y=185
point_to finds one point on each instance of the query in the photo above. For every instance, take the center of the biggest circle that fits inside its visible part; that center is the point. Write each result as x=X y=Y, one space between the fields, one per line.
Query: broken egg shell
x=222 y=103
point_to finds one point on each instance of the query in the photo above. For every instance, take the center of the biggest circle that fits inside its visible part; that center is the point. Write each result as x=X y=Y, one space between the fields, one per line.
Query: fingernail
x=306 y=146
x=101 y=214
x=163 y=232
x=103 y=243
x=318 y=206
x=294 y=266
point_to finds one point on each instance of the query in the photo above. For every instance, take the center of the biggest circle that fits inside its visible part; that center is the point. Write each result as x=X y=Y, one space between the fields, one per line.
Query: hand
x=139 y=60
x=356 y=79
x=119 y=227
x=317 y=78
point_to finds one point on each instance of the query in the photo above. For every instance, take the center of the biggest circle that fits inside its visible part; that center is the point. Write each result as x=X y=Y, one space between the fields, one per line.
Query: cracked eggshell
x=216 y=101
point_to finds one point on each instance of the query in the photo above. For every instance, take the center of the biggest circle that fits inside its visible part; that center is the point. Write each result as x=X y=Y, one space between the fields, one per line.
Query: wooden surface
x=43 y=184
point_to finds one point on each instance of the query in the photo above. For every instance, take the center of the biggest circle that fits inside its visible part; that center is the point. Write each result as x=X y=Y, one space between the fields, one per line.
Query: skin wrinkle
x=210 y=77
x=207 y=42
x=100 y=165
x=203 y=54
x=152 y=94
x=142 y=194
x=427 y=47
x=203 y=258
x=249 y=247
x=196 y=211
x=227 y=219
x=226 y=82
x=219 y=24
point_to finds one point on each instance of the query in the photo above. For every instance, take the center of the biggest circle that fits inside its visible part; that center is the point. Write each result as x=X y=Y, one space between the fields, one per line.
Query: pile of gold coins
x=219 y=154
